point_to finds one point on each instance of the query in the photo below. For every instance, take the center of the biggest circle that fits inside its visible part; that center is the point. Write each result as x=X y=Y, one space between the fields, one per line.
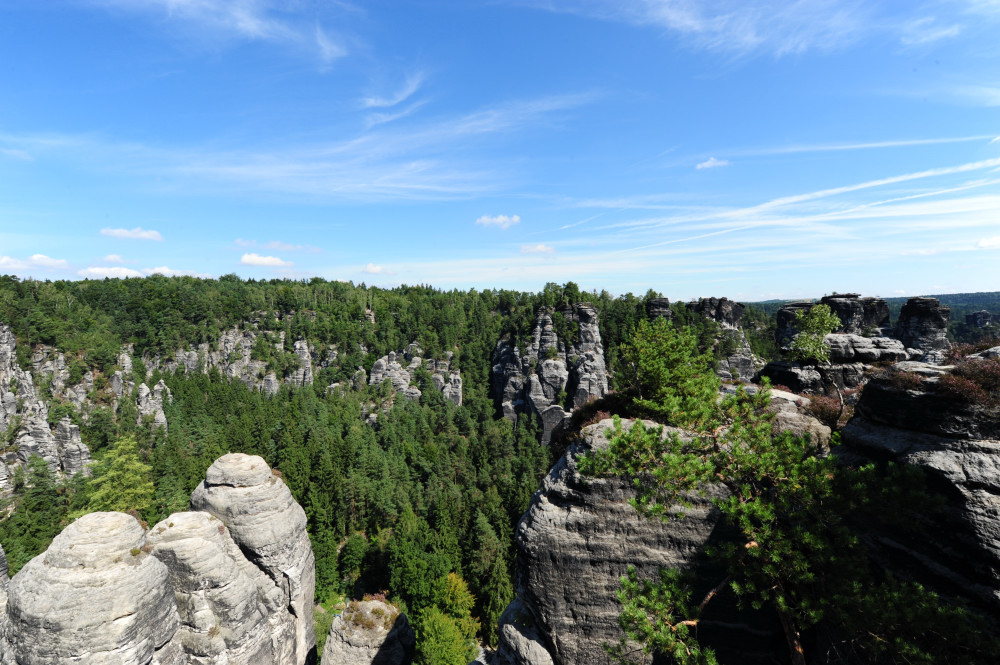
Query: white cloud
x=989 y=243
x=114 y=258
x=373 y=269
x=712 y=163
x=538 y=249
x=17 y=154
x=284 y=247
x=264 y=261
x=240 y=242
x=138 y=233
x=34 y=262
x=115 y=272
x=328 y=49
x=408 y=89
x=503 y=221
x=170 y=272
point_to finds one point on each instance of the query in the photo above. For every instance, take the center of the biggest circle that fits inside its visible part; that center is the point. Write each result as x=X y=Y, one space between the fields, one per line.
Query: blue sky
x=749 y=148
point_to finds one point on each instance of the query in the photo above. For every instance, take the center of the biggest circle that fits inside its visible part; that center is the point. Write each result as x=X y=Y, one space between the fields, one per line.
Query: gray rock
x=785 y=322
x=303 y=375
x=859 y=316
x=150 y=403
x=270 y=528
x=230 y=611
x=723 y=311
x=923 y=325
x=846 y=348
x=73 y=455
x=982 y=319
x=93 y=596
x=657 y=307
x=369 y=632
x=576 y=539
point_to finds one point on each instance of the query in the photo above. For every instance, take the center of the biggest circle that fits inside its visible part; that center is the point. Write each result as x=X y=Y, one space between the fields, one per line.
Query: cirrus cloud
x=138 y=233
x=251 y=259
x=538 y=249
x=712 y=163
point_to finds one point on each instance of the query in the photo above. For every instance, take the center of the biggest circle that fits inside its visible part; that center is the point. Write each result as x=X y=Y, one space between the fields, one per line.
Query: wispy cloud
x=859 y=145
x=373 y=269
x=989 y=243
x=114 y=272
x=138 y=233
x=33 y=262
x=711 y=163
x=502 y=221
x=407 y=90
x=213 y=21
x=926 y=30
x=16 y=154
x=780 y=27
x=538 y=249
x=114 y=258
x=263 y=261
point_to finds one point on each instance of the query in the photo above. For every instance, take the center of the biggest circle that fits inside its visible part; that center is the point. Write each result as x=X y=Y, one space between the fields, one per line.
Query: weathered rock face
x=923 y=326
x=369 y=632
x=390 y=368
x=785 y=322
x=657 y=307
x=270 y=528
x=577 y=538
x=982 y=319
x=551 y=377
x=232 y=586
x=150 y=403
x=63 y=450
x=741 y=364
x=94 y=596
x=230 y=611
x=848 y=348
x=814 y=378
x=859 y=316
x=958 y=446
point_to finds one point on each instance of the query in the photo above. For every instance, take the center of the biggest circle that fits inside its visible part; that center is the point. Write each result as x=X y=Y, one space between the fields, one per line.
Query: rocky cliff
x=552 y=374
x=957 y=444
x=739 y=364
x=369 y=632
x=445 y=378
x=578 y=536
x=24 y=415
x=864 y=338
x=231 y=583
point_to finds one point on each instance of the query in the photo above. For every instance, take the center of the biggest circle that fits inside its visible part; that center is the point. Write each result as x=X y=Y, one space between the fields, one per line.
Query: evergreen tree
x=122 y=482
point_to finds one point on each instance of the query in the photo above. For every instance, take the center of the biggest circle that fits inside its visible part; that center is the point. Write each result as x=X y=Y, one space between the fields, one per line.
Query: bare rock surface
x=93 y=597
x=859 y=316
x=369 y=632
x=958 y=446
x=400 y=370
x=552 y=377
x=270 y=528
x=923 y=326
x=577 y=538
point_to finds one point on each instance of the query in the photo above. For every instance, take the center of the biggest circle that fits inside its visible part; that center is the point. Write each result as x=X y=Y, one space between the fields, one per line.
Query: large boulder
x=859 y=316
x=369 y=632
x=270 y=528
x=94 y=596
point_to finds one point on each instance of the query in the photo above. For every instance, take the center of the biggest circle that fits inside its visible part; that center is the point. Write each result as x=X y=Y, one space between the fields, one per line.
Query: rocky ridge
x=551 y=376
x=369 y=632
x=389 y=368
x=224 y=585
x=578 y=536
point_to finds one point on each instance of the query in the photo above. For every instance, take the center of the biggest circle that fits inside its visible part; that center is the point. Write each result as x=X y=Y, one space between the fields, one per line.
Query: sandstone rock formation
x=150 y=403
x=657 y=307
x=923 y=326
x=270 y=528
x=390 y=368
x=859 y=316
x=982 y=319
x=958 y=446
x=741 y=364
x=551 y=377
x=577 y=538
x=232 y=585
x=93 y=596
x=369 y=632
x=20 y=408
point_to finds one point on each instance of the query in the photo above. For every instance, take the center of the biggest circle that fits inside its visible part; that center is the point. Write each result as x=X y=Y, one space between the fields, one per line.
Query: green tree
x=122 y=482
x=440 y=640
x=675 y=383
x=809 y=345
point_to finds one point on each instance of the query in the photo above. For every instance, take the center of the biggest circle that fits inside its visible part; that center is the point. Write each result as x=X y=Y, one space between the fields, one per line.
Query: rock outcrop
x=957 y=445
x=859 y=316
x=150 y=403
x=923 y=327
x=658 y=307
x=740 y=364
x=578 y=536
x=270 y=528
x=22 y=409
x=369 y=632
x=390 y=368
x=231 y=585
x=553 y=375
x=982 y=319
x=93 y=596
